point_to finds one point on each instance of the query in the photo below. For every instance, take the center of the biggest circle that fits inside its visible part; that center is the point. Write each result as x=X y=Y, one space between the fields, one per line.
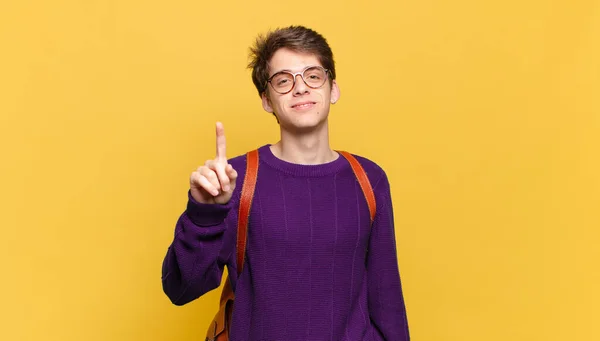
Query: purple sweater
x=314 y=270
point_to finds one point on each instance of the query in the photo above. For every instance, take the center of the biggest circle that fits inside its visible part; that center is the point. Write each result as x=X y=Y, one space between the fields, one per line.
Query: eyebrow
x=289 y=70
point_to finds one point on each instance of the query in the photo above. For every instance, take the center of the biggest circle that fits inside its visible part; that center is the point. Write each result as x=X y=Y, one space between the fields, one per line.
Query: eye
x=314 y=74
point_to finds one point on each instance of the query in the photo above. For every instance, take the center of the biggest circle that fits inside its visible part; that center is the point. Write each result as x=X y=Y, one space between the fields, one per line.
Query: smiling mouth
x=304 y=105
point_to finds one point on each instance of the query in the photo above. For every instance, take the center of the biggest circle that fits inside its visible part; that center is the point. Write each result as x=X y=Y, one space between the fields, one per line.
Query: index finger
x=221 y=155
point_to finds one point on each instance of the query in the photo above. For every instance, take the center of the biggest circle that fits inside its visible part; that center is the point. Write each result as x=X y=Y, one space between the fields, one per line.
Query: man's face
x=303 y=108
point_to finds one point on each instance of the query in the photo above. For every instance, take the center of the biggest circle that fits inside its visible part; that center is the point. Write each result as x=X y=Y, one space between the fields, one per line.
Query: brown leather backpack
x=219 y=327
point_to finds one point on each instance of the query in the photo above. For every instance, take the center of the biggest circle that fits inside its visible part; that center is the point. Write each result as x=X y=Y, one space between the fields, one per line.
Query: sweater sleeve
x=202 y=246
x=386 y=302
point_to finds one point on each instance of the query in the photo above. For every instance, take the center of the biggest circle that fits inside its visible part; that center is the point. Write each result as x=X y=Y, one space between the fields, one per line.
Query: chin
x=306 y=123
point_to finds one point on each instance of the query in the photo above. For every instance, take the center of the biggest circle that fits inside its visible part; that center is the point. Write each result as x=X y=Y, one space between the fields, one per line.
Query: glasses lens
x=315 y=77
x=282 y=82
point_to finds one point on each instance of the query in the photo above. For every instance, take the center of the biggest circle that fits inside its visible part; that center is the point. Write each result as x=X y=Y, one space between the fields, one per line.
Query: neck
x=310 y=148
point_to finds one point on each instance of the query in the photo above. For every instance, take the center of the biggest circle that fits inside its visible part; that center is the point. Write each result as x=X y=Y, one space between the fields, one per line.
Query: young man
x=315 y=267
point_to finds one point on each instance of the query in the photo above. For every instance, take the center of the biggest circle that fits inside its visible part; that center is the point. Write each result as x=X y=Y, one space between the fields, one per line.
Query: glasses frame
x=294 y=74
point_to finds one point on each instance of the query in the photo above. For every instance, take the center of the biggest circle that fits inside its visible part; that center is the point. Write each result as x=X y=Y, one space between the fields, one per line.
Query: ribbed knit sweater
x=315 y=268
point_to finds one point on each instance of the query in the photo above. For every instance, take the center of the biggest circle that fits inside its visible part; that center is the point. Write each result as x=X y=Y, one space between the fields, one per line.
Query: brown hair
x=295 y=38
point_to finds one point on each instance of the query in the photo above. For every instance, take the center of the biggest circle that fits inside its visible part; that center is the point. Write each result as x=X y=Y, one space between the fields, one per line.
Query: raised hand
x=214 y=182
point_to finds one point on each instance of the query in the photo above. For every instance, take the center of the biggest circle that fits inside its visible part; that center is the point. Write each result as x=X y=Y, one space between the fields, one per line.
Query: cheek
x=283 y=104
x=281 y=107
x=277 y=105
x=322 y=102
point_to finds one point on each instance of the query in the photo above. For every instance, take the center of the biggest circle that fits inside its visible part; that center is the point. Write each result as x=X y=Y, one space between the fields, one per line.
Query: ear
x=335 y=92
x=266 y=103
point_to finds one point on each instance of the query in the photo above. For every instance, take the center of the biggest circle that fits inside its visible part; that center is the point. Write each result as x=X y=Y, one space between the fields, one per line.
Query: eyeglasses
x=284 y=81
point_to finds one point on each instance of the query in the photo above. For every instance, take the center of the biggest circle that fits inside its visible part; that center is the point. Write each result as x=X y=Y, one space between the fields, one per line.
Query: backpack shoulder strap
x=245 y=204
x=222 y=319
x=364 y=182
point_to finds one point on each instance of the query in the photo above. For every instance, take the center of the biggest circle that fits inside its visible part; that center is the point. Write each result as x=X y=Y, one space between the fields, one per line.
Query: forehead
x=285 y=59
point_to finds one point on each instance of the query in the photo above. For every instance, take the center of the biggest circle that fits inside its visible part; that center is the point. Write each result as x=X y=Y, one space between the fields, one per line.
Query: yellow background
x=486 y=116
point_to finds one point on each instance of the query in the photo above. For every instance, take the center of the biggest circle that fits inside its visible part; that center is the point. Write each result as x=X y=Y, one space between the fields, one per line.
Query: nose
x=300 y=87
